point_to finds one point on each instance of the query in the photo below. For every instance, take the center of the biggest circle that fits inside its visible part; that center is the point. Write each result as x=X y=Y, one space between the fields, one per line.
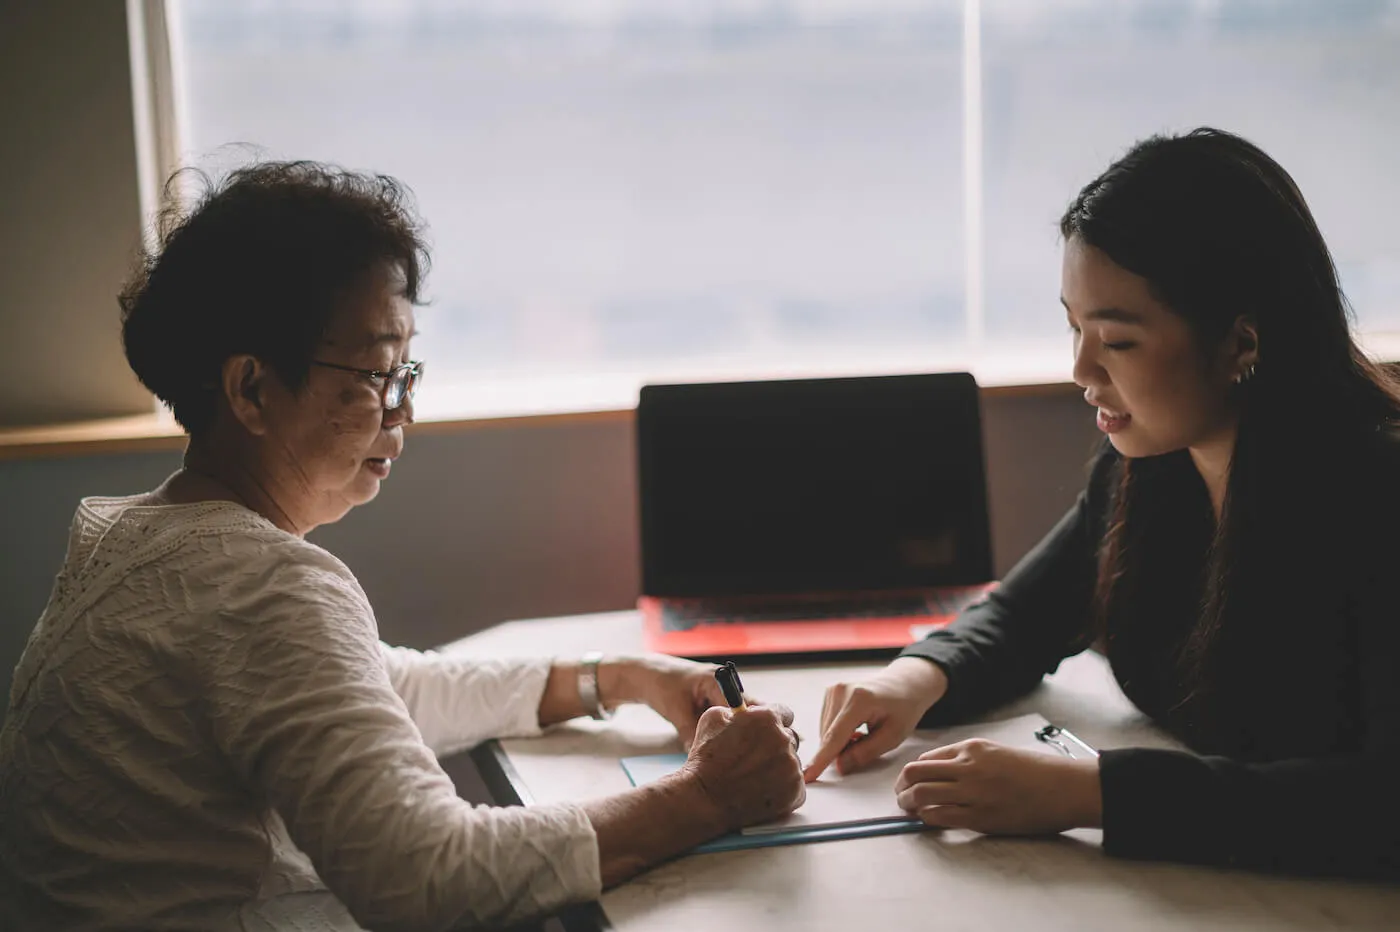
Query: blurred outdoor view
x=631 y=190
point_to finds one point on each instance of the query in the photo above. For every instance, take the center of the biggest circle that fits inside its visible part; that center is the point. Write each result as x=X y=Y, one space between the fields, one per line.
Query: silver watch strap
x=588 y=685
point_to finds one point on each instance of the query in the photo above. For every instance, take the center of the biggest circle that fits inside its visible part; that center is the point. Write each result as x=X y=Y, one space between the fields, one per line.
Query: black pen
x=727 y=675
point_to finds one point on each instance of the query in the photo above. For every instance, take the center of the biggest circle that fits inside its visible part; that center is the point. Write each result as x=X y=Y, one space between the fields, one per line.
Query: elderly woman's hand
x=679 y=690
x=745 y=762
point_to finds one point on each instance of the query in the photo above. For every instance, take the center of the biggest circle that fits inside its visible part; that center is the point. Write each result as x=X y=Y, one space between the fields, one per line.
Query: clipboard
x=863 y=805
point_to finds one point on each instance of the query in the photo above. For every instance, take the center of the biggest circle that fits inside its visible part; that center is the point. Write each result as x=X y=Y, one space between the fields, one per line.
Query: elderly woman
x=205 y=731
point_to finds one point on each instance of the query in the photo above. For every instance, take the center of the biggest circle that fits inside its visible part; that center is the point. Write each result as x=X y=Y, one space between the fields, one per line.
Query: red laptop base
x=797 y=638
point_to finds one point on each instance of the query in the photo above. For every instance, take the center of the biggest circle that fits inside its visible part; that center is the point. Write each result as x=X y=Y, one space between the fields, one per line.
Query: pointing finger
x=832 y=702
x=862 y=752
x=834 y=741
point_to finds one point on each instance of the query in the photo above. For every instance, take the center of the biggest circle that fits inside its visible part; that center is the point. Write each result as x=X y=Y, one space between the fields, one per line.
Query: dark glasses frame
x=400 y=382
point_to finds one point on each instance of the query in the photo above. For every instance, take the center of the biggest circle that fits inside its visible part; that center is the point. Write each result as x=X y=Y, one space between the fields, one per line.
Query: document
x=863 y=800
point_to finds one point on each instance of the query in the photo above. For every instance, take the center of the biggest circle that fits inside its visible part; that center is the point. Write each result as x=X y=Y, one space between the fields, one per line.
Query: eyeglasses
x=400 y=382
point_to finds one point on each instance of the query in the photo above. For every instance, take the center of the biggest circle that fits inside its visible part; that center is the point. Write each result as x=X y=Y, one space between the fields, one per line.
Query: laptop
x=842 y=517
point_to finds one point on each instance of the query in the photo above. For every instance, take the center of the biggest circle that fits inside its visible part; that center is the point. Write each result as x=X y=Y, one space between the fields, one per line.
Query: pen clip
x=734 y=672
x=1060 y=739
x=728 y=679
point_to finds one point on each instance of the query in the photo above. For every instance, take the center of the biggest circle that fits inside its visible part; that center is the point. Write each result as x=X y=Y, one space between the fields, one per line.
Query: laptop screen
x=812 y=485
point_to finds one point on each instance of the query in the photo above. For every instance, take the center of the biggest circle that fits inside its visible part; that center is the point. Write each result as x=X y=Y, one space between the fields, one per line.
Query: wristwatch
x=588 y=686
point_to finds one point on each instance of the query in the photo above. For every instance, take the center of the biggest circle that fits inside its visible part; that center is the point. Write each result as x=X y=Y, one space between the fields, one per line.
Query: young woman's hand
x=994 y=789
x=889 y=706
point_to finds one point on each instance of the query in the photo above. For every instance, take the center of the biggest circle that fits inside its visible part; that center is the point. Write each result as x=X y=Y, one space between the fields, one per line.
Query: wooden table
x=950 y=880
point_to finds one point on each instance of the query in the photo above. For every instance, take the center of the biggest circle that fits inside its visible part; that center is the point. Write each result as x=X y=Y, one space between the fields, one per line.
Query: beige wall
x=516 y=521
x=70 y=216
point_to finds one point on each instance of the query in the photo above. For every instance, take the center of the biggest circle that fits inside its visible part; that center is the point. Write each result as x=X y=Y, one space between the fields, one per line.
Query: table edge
x=506 y=788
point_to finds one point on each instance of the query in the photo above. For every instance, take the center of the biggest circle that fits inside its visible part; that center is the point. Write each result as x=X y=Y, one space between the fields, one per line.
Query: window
x=679 y=189
x=1068 y=85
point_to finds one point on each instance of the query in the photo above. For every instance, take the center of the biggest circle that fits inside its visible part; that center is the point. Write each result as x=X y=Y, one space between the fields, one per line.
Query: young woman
x=1232 y=555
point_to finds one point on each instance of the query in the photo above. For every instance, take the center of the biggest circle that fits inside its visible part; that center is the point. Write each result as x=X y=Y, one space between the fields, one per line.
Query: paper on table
x=866 y=797
x=652 y=767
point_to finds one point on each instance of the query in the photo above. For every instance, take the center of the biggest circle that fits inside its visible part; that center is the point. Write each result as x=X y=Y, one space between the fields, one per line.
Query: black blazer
x=1295 y=723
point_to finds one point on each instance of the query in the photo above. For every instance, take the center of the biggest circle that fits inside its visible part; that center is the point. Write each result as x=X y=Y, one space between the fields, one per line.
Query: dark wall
x=70 y=210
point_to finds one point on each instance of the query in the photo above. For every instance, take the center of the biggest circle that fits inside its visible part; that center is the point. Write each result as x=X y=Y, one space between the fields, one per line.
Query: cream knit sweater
x=205 y=732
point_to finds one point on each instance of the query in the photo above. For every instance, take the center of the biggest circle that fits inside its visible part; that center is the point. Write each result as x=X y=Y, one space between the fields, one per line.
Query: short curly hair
x=258 y=265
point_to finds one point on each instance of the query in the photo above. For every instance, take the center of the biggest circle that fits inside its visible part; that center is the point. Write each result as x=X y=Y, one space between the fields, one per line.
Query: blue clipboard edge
x=800 y=835
x=738 y=842
x=506 y=788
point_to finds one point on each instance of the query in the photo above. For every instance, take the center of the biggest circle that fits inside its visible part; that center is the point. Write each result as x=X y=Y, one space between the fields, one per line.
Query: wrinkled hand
x=998 y=790
x=746 y=763
x=889 y=706
x=678 y=690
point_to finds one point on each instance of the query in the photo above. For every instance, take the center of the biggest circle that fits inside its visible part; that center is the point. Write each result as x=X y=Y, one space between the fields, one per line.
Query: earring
x=1245 y=376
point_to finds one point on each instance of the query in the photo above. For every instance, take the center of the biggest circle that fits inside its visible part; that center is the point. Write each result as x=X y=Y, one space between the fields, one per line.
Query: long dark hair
x=1219 y=230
